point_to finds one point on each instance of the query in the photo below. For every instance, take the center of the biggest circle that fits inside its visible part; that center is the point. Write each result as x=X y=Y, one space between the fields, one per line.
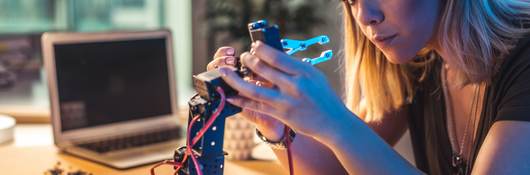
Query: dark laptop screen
x=108 y=82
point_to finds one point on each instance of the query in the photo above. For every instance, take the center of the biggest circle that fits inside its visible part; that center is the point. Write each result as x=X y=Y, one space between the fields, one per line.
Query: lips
x=384 y=38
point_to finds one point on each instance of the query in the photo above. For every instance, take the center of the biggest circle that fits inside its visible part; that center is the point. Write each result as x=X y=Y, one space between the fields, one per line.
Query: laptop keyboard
x=120 y=143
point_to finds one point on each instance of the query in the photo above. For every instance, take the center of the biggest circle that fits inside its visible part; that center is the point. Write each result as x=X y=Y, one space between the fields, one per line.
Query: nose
x=369 y=14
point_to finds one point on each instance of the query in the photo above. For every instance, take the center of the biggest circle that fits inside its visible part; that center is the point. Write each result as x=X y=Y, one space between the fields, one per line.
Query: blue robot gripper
x=294 y=46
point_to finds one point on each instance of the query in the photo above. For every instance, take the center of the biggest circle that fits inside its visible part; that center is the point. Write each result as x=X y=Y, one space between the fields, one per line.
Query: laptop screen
x=115 y=81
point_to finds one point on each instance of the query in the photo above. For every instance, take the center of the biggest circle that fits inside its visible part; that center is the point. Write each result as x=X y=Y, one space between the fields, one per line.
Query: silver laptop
x=113 y=96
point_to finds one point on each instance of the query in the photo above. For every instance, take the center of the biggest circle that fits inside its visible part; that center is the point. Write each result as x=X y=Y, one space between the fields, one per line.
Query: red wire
x=213 y=117
x=203 y=130
x=196 y=164
x=289 y=154
x=189 y=150
x=200 y=134
x=170 y=162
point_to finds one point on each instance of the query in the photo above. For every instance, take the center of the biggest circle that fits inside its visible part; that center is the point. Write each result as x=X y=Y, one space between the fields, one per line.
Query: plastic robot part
x=325 y=56
x=294 y=46
x=258 y=24
x=290 y=46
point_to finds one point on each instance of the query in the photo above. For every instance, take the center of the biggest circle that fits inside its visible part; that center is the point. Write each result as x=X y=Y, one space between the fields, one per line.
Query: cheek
x=415 y=21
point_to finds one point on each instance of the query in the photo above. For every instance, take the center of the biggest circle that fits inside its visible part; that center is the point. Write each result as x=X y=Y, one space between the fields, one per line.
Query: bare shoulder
x=506 y=149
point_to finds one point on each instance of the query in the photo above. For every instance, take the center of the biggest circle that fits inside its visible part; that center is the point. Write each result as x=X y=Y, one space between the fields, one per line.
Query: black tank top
x=507 y=97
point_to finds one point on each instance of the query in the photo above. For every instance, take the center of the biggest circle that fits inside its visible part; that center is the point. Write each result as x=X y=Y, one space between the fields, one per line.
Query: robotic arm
x=203 y=153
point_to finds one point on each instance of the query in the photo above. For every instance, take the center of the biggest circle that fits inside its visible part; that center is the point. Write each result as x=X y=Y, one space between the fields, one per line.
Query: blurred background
x=198 y=27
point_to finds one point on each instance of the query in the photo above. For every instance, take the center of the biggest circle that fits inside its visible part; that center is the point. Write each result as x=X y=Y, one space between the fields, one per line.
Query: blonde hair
x=477 y=32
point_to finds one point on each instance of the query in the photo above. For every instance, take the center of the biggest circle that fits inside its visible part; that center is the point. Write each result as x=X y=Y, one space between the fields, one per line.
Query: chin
x=395 y=57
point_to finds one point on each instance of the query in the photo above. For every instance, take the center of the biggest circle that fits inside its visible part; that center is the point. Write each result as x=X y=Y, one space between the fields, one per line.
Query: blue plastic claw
x=294 y=46
x=325 y=56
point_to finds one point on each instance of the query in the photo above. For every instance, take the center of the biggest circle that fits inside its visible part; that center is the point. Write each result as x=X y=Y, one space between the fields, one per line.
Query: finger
x=278 y=59
x=252 y=105
x=224 y=51
x=266 y=95
x=221 y=61
x=267 y=72
x=252 y=116
x=260 y=82
x=256 y=107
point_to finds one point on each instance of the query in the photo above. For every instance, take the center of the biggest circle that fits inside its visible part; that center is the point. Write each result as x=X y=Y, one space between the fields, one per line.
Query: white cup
x=7 y=128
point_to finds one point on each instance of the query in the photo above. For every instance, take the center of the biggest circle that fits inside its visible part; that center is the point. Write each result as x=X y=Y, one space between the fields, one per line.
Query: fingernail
x=254 y=44
x=230 y=100
x=230 y=61
x=230 y=51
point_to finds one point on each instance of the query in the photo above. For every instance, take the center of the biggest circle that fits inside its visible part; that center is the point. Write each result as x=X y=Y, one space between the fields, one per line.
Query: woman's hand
x=268 y=126
x=301 y=98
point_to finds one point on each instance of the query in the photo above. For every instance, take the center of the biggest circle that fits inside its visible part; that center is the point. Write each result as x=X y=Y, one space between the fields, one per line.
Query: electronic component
x=261 y=31
x=58 y=170
x=203 y=153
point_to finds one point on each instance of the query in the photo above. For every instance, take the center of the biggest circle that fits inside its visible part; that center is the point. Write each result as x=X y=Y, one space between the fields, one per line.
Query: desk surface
x=32 y=153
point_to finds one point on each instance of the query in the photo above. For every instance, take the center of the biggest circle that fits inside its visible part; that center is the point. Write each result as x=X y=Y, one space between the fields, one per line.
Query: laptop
x=113 y=96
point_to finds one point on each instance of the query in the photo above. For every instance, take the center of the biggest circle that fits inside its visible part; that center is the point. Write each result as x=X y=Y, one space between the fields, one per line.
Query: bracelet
x=288 y=135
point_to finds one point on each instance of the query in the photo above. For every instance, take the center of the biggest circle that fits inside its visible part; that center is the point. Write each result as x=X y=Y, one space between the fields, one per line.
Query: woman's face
x=399 y=28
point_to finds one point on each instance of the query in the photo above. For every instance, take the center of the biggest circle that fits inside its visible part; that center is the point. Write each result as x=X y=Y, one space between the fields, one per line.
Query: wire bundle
x=190 y=144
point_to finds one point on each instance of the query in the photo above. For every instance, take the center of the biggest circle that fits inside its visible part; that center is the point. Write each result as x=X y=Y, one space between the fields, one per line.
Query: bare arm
x=364 y=151
x=316 y=116
x=312 y=157
x=506 y=149
x=391 y=127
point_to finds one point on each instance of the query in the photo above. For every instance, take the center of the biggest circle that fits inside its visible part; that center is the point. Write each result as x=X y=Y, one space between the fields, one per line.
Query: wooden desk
x=32 y=153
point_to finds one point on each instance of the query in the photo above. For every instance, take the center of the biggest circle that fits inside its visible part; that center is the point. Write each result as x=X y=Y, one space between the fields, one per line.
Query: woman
x=452 y=71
